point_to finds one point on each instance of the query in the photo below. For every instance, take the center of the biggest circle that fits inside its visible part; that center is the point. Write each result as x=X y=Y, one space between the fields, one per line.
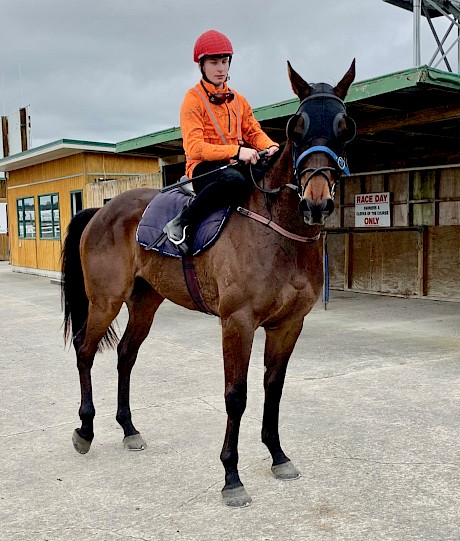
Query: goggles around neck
x=219 y=97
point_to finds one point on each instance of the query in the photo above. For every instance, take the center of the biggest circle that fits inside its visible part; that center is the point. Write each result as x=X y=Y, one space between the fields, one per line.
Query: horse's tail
x=74 y=300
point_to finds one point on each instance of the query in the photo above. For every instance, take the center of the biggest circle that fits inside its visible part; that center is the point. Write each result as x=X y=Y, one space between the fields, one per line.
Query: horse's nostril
x=328 y=206
x=304 y=205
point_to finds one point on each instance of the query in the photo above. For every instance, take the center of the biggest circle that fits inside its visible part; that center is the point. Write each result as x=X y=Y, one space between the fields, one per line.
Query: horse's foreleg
x=279 y=344
x=237 y=334
x=142 y=307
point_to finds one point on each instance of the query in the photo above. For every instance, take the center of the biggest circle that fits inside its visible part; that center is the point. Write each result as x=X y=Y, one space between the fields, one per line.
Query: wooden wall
x=419 y=255
x=4 y=240
x=61 y=176
x=100 y=192
x=58 y=176
x=4 y=248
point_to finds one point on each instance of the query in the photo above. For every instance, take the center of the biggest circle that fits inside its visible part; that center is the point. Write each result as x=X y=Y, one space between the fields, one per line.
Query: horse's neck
x=282 y=208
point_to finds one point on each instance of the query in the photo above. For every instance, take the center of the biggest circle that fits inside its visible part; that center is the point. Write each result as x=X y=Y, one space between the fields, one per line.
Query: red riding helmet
x=211 y=43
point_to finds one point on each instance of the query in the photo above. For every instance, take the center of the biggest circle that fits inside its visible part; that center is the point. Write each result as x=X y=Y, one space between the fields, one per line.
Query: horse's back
x=109 y=240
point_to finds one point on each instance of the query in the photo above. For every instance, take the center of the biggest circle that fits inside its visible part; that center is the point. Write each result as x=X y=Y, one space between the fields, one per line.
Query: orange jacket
x=201 y=139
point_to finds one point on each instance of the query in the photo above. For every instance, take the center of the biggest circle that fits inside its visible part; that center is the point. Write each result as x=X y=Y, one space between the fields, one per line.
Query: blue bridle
x=339 y=160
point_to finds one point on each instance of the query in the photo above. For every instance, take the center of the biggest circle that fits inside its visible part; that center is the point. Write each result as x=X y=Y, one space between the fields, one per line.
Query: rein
x=268 y=222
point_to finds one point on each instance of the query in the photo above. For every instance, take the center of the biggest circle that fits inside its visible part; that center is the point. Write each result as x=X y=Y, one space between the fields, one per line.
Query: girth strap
x=193 y=285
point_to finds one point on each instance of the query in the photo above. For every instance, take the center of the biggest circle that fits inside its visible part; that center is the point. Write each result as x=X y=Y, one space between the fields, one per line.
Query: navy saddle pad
x=166 y=206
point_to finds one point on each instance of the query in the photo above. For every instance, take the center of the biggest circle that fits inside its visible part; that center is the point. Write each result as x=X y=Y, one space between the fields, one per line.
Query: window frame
x=55 y=225
x=22 y=223
x=72 y=194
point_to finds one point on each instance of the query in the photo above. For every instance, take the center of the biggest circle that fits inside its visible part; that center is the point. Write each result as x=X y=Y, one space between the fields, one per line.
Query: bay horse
x=253 y=276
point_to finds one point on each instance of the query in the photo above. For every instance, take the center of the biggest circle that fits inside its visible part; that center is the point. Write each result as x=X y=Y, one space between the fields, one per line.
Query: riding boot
x=176 y=231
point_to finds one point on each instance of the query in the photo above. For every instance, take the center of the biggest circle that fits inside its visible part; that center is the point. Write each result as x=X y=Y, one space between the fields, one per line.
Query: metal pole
x=325 y=272
x=417 y=17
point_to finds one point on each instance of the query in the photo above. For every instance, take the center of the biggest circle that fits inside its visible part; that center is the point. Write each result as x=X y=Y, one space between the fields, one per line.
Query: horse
x=257 y=274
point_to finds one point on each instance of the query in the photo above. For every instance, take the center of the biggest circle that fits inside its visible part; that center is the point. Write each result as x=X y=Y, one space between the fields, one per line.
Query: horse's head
x=318 y=134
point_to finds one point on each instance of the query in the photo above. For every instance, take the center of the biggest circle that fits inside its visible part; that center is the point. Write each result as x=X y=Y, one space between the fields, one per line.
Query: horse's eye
x=344 y=128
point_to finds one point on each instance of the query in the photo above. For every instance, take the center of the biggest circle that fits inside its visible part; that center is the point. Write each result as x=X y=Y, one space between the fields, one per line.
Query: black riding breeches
x=215 y=190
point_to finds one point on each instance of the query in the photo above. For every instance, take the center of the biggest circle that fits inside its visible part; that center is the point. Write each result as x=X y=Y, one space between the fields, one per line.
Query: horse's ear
x=342 y=87
x=300 y=87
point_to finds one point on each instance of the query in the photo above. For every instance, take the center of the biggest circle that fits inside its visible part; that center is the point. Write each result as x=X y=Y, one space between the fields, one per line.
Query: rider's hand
x=271 y=150
x=248 y=155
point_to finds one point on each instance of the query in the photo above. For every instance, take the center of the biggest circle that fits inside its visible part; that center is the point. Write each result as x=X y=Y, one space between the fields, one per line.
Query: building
x=407 y=147
x=49 y=184
x=4 y=245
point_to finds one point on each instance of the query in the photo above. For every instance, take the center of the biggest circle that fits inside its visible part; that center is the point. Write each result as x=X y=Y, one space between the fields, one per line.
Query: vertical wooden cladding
x=423 y=190
x=398 y=186
x=443 y=262
x=351 y=187
x=402 y=260
x=4 y=248
x=385 y=262
x=337 y=264
x=110 y=166
x=99 y=192
x=449 y=197
x=61 y=176
x=4 y=240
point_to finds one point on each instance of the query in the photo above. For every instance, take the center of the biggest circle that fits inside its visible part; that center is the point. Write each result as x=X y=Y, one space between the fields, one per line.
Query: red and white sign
x=372 y=210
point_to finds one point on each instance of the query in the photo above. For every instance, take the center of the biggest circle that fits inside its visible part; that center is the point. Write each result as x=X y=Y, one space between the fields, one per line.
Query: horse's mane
x=274 y=159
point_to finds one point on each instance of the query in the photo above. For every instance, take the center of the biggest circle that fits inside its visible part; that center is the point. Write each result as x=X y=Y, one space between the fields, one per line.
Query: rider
x=218 y=127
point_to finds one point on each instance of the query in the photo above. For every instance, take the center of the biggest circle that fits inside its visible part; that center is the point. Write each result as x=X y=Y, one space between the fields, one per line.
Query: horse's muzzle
x=316 y=213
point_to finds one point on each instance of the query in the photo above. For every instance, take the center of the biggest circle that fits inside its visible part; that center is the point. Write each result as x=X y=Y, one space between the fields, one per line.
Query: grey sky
x=110 y=70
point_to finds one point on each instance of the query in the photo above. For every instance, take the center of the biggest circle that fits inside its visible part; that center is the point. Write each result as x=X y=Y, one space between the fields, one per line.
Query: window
x=49 y=216
x=26 y=217
x=76 y=202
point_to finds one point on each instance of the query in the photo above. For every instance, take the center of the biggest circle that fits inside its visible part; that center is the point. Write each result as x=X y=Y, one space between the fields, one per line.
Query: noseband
x=341 y=167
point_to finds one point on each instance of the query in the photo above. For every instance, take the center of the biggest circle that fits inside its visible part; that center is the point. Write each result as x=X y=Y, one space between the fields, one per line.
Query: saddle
x=163 y=208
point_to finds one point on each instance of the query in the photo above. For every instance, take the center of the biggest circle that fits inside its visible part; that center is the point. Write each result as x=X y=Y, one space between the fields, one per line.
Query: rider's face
x=216 y=70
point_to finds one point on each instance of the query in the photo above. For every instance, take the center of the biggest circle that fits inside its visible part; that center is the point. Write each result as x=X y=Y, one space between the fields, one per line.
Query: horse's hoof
x=134 y=443
x=81 y=445
x=286 y=471
x=236 y=497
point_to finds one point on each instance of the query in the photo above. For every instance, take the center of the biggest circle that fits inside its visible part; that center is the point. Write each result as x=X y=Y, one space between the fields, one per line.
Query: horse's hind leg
x=142 y=305
x=279 y=344
x=86 y=342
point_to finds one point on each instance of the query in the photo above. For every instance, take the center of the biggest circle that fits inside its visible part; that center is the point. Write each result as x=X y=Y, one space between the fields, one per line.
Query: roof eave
x=52 y=151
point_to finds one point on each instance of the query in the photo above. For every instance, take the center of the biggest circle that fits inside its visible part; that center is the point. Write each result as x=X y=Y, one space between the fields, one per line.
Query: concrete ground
x=370 y=415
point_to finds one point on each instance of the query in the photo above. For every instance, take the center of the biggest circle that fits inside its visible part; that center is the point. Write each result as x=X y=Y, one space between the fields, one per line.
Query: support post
x=416 y=31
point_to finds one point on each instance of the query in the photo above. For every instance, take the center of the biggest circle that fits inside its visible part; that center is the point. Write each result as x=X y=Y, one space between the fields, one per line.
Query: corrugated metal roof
x=365 y=95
